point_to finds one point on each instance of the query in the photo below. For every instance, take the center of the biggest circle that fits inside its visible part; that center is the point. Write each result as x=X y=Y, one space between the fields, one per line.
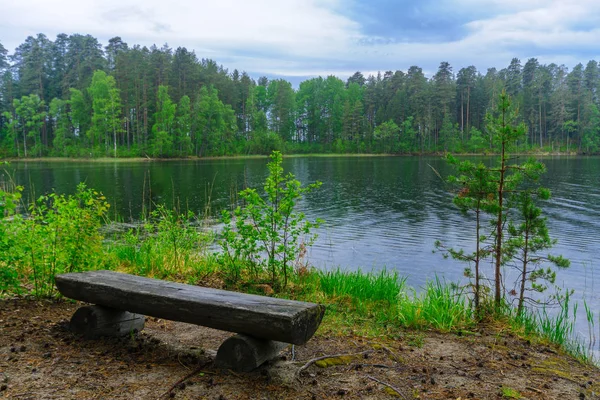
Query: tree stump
x=243 y=353
x=96 y=321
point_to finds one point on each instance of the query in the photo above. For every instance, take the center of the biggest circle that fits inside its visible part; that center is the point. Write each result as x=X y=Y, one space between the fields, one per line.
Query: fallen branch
x=395 y=389
x=185 y=378
x=314 y=360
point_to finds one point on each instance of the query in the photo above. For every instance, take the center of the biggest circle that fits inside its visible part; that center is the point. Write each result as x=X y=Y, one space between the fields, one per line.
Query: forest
x=72 y=97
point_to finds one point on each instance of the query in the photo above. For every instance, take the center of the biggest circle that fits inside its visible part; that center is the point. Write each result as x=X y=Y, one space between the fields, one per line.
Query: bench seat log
x=261 y=317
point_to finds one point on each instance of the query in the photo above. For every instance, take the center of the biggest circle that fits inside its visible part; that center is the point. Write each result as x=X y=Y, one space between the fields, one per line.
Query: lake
x=379 y=212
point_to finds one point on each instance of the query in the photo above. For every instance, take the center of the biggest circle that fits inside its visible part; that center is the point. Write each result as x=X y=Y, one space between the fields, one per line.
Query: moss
x=331 y=361
x=554 y=366
x=392 y=392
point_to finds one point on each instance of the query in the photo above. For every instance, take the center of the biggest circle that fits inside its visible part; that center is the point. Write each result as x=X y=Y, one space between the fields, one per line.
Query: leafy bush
x=9 y=200
x=266 y=233
x=60 y=234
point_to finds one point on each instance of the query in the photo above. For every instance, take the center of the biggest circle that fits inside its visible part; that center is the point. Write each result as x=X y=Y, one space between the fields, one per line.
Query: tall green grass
x=557 y=328
x=361 y=298
x=382 y=286
x=439 y=306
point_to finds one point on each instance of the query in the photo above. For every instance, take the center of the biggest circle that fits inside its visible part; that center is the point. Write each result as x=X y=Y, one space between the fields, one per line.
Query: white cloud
x=310 y=37
x=553 y=25
x=553 y=31
x=293 y=27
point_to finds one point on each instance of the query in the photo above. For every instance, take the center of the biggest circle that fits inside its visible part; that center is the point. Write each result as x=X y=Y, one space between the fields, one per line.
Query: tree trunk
x=468 y=106
x=462 y=115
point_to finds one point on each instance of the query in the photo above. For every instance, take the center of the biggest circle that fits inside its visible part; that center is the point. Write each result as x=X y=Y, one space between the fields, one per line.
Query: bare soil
x=41 y=359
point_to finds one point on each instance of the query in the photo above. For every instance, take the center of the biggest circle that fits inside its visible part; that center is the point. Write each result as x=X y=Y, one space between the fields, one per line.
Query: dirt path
x=41 y=359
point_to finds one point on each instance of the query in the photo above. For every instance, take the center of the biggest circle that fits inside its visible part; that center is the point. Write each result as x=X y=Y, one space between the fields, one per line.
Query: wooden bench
x=264 y=325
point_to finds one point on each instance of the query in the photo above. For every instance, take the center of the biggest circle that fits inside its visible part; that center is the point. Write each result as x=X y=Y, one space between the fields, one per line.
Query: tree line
x=73 y=97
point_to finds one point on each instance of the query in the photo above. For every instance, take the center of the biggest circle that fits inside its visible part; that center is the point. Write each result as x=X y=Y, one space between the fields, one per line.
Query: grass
x=382 y=286
x=510 y=393
x=558 y=329
x=438 y=306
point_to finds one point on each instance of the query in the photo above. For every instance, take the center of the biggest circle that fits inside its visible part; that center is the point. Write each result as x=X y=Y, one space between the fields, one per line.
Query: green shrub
x=267 y=234
x=9 y=276
x=60 y=234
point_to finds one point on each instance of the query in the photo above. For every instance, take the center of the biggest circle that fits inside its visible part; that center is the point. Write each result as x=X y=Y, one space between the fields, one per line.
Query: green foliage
x=387 y=135
x=9 y=202
x=264 y=142
x=31 y=113
x=526 y=239
x=106 y=117
x=81 y=111
x=476 y=196
x=447 y=112
x=61 y=234
x=267 y=233
x=477 y=143
x=281 y=97
x=448 y=134
x=590 y=141
x=10 y=141
x=183 y=129
x=163 y=129
x=63 y=143
x=214 y=123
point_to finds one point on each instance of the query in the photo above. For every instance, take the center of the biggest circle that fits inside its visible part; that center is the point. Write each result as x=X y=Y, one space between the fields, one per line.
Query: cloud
x=321 y=37
x=493 y=33
x=293 y=26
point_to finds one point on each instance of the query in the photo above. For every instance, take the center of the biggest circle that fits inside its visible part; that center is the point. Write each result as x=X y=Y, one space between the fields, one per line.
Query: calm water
x=379 y=211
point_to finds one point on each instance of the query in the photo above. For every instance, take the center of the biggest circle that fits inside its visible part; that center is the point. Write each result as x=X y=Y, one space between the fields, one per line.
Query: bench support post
x=243 y=353
x=96 y=321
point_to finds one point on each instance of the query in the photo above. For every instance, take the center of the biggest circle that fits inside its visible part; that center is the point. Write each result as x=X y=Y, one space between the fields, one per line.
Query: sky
x=297 y=39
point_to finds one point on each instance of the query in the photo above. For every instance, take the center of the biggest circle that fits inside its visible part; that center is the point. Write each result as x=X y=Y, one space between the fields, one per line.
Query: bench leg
x=96 y=321
x=244 y=353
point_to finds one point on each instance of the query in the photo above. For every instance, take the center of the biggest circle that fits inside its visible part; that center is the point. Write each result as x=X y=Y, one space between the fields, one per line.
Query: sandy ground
x=41 y=359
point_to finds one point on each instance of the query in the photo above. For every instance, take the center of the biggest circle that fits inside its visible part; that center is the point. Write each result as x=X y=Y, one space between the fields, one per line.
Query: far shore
x=260 y=156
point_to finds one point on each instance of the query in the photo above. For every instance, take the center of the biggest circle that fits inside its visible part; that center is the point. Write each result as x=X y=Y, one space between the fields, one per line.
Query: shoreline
x=260 y=156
